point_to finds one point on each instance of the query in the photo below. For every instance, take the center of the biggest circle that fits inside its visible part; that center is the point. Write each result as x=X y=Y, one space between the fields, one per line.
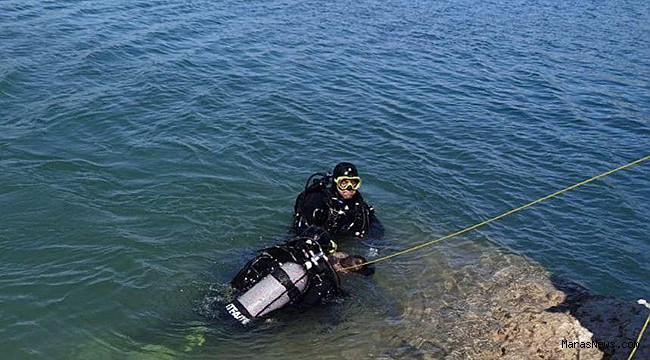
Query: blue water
x=147 y=149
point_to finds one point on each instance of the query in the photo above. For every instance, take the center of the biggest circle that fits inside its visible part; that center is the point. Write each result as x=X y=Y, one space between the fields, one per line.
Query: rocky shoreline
x=519 y=311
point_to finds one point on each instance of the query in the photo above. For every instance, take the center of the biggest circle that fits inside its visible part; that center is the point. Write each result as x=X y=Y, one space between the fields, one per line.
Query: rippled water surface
x=147 y=149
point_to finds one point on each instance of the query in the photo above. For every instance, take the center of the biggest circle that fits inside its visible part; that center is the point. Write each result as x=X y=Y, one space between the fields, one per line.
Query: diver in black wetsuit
x=335 y=203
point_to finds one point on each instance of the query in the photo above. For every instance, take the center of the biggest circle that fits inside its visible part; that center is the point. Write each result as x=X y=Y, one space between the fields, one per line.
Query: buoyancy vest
x=342 y=217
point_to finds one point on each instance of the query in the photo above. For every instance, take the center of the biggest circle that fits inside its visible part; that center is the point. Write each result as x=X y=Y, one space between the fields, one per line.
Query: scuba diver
x=300 y=271
x=335 y=203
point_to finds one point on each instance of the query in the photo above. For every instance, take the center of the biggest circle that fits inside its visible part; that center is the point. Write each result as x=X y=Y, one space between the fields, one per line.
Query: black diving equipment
x=296 y=271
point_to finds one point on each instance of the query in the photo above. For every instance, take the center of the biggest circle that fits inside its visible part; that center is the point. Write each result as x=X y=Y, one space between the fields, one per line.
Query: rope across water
x=475 y=226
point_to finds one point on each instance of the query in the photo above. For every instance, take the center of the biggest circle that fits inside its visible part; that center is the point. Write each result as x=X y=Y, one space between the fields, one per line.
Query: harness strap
x=285 y=280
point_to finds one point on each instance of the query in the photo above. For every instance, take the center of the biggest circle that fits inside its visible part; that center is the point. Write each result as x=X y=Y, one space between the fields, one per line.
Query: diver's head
x=353 y=263
x=346 y=180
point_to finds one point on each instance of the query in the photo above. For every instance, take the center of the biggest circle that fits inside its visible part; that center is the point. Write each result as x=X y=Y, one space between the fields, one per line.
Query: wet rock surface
x=511 y=308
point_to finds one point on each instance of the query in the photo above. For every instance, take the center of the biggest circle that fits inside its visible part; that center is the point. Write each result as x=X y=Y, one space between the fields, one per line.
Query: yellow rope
x=428 y=243
x=638 y=339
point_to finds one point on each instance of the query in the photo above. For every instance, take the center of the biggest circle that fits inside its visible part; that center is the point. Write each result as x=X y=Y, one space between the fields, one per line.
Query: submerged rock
x=508 y=308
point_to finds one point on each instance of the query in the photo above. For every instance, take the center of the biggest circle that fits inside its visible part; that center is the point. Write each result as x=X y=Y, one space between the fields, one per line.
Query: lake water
x=147 y=149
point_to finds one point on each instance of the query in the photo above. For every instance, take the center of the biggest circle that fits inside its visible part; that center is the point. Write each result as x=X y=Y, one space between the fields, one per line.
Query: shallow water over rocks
x=505 y=306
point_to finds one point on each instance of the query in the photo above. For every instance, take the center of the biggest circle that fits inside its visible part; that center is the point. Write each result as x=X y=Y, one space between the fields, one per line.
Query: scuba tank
x=284 y=275
x=316 y=182
x=274 y=291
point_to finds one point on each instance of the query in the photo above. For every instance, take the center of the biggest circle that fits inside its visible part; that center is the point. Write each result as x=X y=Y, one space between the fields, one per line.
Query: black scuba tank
x=316 y=182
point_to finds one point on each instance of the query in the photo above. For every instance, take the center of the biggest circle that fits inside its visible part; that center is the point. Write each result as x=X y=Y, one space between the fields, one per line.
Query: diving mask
x=348 y=182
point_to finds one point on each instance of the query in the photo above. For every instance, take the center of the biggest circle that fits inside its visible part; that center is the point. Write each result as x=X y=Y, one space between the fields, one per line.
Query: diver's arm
x=373 y=228
x=376 y=229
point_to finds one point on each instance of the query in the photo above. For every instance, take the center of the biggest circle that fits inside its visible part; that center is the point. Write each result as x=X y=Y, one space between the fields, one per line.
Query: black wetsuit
x=324 y=207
